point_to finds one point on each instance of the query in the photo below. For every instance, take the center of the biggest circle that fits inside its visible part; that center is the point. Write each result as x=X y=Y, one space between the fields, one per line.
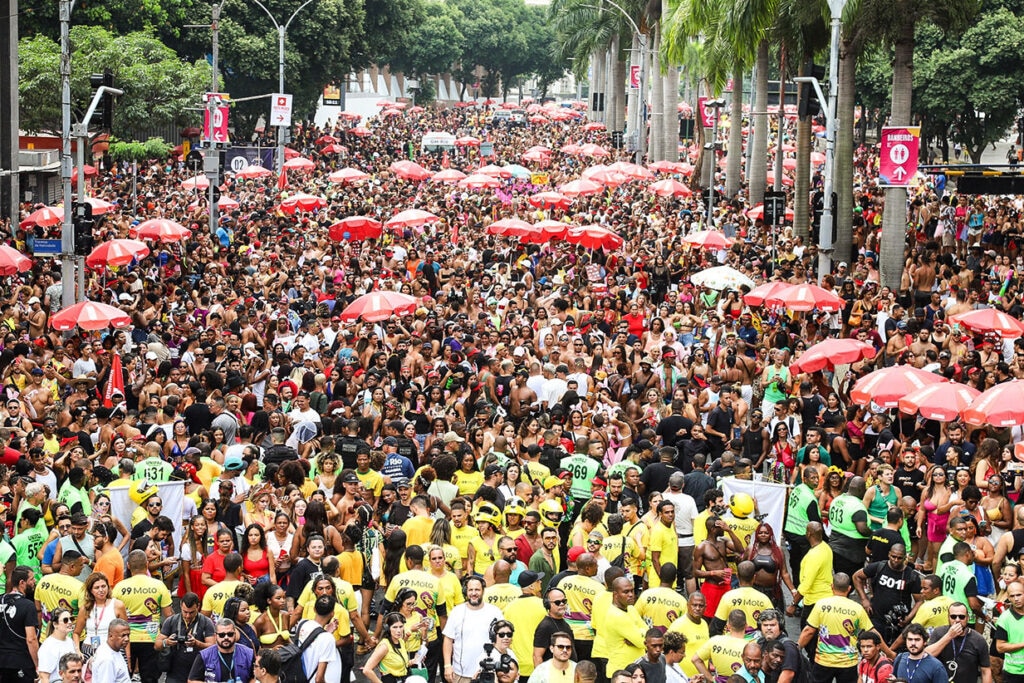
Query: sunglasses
x=562 y=647
x=64 y=620
x=559 y=602
x=225 y=636
x=505 y=634
x=958 y=617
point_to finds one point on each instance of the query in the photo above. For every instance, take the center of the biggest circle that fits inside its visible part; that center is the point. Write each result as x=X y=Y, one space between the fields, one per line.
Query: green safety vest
x=1013 y=662
x=840 y=515
x=796 y=515
x=955 y=577
x=584 y=469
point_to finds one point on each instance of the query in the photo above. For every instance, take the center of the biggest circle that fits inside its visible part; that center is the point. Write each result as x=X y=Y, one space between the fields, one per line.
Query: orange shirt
x=111 y=565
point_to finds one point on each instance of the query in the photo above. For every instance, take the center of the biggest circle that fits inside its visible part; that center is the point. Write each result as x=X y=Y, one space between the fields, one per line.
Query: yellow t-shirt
x=452 y=558
x=486 y=555
x=343 y=590
x=625 y=632
x=838 y=621
x=663 y=540
x=931 y=614
x=461 y=536
x=54 y=591
x=660 y=607
x=641 y=535
x=744 y=527
x=452 y=591
x=210 y=470
x=429 y=594
x=417 y=530
x=723 y=654
x=144 y=599
x=373 y=481
x=217 y=595
x=344 y=621
x=526 y=613
x=501 y=595
x=612 y=547
x=696 y=635
x=748 y=599
x=581 y=592
x=602 y=602
x=816 y=574
x=468 y=482
x=350 y=567
x=700 y=528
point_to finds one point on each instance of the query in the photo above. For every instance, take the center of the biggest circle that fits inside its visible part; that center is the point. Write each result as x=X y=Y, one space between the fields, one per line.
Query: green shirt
x=584 y=469
x=959 y=583
x=27 y=545
x=1012 y=624
x=7 y=552
x=840 y=515
x=800 y=500
x=71 y=496
x=153 y=470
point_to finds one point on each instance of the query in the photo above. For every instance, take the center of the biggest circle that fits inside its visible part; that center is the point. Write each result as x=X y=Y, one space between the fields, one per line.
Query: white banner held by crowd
x=172 y=495
x=770 y=499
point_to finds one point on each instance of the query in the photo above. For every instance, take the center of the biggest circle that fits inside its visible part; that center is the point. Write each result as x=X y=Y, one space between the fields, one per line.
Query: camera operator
x=498 y=666
x=463 y=642
x=185 y=633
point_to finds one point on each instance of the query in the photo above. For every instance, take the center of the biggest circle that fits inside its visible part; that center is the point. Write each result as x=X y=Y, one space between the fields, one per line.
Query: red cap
x=575 y=552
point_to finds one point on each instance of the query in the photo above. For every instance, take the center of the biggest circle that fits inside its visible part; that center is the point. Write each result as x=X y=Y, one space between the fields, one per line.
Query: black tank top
x=1018 y=543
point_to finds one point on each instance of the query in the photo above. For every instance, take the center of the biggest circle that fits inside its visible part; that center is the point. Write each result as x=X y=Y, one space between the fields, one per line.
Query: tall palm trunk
x=759 y=151
x=670 y=140
x=657 y=100
x=894 y=217
x=843 y=245
x=618 y=86
x=670 y=101
x=802 y=186
x=596 y=84
x=733 y=162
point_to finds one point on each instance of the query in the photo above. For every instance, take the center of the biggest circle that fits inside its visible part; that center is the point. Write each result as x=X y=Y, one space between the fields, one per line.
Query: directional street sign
x=897 y=161
x=281 y=110
x=41 y=247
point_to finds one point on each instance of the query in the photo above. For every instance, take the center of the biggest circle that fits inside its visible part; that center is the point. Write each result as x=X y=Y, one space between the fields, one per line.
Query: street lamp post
x=717 y=106
x=638 y=118
x=831 y=125
x=282 y=30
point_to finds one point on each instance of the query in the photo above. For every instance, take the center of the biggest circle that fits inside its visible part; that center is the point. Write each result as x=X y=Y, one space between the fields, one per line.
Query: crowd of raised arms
x=547 y=470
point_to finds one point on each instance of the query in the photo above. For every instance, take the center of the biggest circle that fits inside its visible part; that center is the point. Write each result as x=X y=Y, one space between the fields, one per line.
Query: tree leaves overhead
x=158 y=86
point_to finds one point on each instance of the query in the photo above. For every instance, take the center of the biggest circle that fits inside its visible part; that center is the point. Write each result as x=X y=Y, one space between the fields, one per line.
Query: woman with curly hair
x=771 y=571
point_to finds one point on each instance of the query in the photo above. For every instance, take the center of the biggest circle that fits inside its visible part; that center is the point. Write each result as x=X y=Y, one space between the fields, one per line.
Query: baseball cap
x=527 y=578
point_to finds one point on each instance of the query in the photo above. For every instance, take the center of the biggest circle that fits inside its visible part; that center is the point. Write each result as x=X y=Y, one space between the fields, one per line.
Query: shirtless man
x=36 y=318
x=920 y=347
x=923 y=276
x=522 y=397
x=38 y=398
x=711 y=560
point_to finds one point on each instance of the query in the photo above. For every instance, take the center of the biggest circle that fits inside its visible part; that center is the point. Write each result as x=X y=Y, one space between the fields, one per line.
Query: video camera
x=488 y=667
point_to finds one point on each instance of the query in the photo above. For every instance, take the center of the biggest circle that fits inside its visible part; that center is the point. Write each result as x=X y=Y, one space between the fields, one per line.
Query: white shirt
x=308 y=415
x=686 y=512
x=50 y=653
x=109 y=666
x=321 y=650
x=467 y=628
x=554 y=389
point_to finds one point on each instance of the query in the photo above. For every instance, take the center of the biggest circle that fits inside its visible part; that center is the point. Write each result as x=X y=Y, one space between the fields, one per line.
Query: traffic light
x=808 y=103
x=106 y=110
x=83 y=223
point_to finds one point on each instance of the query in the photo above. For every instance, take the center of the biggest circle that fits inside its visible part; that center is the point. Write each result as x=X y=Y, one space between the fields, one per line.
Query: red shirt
x=878 y=673
x=214 y=566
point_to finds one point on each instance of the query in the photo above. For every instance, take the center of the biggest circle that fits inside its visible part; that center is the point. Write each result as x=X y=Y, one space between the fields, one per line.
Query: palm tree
x=901 y=18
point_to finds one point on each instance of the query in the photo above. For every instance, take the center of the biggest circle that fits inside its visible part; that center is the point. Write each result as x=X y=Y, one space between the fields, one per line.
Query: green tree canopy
x=157 y=85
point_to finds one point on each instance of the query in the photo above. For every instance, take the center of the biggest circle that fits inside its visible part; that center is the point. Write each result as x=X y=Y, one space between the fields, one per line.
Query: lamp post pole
x=282 y=32
x=831 y=125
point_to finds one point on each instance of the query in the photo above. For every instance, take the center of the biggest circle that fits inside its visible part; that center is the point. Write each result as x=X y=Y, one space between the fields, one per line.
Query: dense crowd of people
x=521 y=478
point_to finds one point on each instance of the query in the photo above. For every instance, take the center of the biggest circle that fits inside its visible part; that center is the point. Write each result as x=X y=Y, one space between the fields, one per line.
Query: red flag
x=116 y=381
x=282 y=180
x=444 y=160
x=455 y=233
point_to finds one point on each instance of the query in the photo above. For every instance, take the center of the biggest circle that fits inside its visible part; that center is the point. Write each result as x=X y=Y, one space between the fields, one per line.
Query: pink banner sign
x=707 y=114
x=897 y=162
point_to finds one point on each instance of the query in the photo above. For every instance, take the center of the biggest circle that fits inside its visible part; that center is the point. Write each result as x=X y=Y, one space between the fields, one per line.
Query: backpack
x=292 y=669
x=620 y=561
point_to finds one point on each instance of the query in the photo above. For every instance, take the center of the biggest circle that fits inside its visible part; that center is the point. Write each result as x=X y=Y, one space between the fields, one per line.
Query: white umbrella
x=721 y=277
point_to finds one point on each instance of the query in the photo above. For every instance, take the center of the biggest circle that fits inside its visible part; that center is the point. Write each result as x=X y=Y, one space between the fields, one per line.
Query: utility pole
x=67 y=234
x=211 y=160
x=717 y=106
